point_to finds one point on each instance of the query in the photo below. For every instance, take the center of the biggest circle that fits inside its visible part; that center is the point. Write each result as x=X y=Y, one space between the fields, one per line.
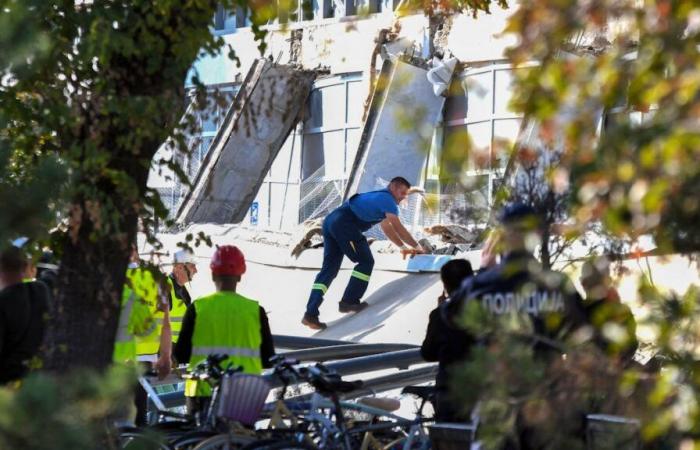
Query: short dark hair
x=12 y=260
x=227 y=280
x=400 y=180
x=454 y=272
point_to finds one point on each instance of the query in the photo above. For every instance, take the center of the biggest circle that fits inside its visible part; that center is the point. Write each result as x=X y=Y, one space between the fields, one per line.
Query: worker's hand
x=163 y=366
x=420 y=250
x=408 y=251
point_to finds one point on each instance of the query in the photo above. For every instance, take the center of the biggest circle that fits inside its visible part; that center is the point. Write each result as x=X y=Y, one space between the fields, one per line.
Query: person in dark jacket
x=606 y=312
x=453 y=273
x=547 y=300
x=544 y=302
x=23 y=308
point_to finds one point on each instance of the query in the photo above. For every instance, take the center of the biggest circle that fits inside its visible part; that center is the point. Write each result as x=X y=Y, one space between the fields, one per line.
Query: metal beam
x=344 y=351
x=401 y=359
x=389 y=382
x=395 y=381
x=298 y=343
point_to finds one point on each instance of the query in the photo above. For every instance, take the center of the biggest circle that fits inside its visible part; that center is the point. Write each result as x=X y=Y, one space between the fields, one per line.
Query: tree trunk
x=85 y=312
x=544 y=251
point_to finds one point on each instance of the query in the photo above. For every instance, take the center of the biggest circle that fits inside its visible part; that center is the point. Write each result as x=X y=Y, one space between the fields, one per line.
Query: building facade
x=339 y=38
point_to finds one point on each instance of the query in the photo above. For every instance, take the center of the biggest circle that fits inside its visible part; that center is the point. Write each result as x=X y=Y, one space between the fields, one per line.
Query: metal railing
x=346 y=351
x=297 y=342
x=348 y=358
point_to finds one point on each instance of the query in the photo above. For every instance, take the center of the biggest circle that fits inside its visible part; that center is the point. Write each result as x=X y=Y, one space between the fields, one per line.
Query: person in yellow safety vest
x=143 y=310
x=184 y=269
x=223 y=323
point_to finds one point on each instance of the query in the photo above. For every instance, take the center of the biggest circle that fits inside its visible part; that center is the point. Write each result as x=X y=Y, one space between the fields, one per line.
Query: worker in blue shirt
x=343 y=232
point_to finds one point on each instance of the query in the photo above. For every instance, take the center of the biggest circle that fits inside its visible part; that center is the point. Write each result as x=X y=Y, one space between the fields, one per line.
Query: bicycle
x=182 y=432
x=321 y=424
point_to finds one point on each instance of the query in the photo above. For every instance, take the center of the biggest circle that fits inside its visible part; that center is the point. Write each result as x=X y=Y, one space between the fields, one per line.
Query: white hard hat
x=183 y=257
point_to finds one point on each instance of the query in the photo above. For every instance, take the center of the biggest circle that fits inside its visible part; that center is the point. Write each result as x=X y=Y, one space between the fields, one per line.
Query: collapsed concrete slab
x=396 y=135
x=259 y=120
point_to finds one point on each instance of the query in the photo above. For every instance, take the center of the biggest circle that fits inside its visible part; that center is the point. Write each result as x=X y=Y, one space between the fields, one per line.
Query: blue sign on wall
x=254 y=213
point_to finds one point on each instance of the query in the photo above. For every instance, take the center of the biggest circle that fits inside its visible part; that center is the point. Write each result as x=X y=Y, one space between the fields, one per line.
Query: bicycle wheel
x=191 y=440
x=273 y=444
x=141 y=441
x=226 y=441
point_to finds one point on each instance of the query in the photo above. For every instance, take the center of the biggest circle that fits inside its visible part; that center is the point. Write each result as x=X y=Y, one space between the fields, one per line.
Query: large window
x=479 y=132
x=332 y=129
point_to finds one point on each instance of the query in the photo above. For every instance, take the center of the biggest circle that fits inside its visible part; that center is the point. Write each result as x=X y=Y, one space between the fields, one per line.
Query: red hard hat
x=227 y=260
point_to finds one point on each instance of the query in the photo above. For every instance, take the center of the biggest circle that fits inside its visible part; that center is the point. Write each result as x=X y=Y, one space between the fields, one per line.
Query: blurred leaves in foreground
x=71 y=412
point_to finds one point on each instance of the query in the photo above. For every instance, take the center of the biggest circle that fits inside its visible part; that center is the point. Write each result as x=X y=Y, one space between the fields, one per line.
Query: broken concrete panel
x=265 y=110
x=481 y=39
x=397 y=133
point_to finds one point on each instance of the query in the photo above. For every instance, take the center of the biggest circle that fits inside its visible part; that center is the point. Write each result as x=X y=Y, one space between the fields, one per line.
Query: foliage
x=67 y=413
x=640 y=66
x=615 y=96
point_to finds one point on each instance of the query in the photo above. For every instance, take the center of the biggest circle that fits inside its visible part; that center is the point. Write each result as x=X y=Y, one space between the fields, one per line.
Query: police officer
x=545 y=302
x=342 y=236
x=224 y=322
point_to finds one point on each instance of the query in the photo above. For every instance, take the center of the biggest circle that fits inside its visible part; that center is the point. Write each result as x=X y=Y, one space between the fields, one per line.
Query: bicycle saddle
x=334 y=384
x=423 y=392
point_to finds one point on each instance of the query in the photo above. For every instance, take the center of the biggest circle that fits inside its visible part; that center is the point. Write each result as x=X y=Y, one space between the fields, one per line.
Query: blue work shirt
x=372 y=207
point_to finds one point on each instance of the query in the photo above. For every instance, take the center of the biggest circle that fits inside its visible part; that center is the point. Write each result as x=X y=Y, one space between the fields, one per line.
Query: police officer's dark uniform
x=545 y=299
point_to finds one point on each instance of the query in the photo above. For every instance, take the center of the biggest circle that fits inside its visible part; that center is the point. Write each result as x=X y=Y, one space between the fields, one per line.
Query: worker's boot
x=313 y=322
x=347 y=307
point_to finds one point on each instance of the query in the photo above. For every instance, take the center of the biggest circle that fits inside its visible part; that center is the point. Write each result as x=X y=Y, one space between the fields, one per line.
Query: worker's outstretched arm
x=391 y=233
x=164 y=363
x=401 y=231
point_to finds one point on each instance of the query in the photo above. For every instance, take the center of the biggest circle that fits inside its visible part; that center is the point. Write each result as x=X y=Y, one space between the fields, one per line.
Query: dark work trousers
x=141 y=399
x=342 y=236
x=198 y=407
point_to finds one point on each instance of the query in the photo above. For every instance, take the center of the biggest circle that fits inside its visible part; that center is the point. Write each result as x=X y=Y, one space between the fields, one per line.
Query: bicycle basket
x=242 y=397
x=451 y=436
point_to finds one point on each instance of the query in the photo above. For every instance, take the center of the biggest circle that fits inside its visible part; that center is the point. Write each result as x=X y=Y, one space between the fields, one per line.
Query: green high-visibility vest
x=135 y=317
x=177 y=312
x=148 y=340
x=227 y=323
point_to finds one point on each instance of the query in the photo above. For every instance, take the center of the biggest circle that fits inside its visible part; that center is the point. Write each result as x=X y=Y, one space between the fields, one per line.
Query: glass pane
x=209 y=119
x=456 y=103
x=356 y=100
x=315 y=113
x=505 y=134
x=206 y=144
x=480 y=135
x=465 y=203
x=503 y=91
x=312 y=155
x=334 y=154
x=479 y=95
x=230 y=21
x=327 y=107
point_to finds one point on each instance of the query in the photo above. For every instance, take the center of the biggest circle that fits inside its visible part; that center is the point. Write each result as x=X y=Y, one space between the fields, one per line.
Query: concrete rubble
x=259 y=120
